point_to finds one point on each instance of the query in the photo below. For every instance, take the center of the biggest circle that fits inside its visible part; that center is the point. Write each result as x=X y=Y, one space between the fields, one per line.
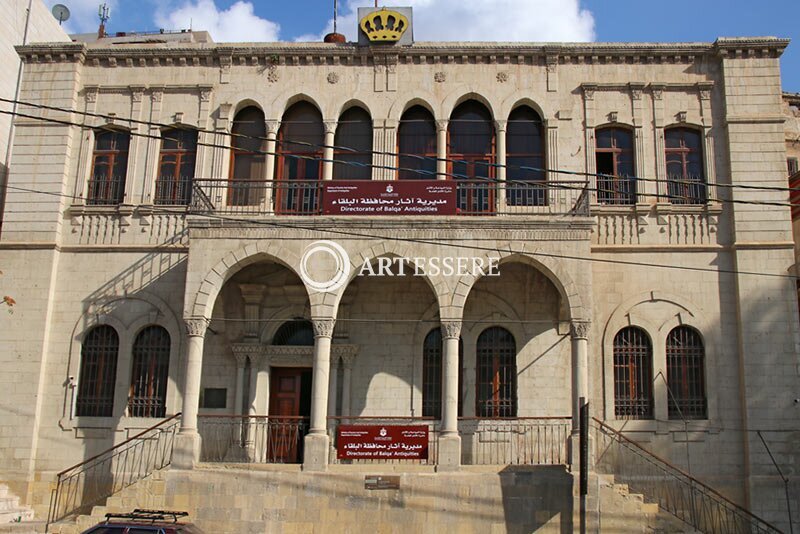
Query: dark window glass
x=109 y=168
x=633 y=374
x=686 y=374
x=791 y=164
x=432 y=374
x=148 y=394
x=416 y=144
x=98 y=372
x=214 y=398
x=176 y=166
x=300 y=141
x=496 y=394
x=295 y=332
x=686 y=180
x=471 y=157
x=525 y=152
x=247 y=187
x=353 y=140
x=614 y=164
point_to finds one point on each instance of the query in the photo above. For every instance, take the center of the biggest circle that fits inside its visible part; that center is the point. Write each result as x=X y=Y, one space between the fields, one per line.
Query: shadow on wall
x=537 y=498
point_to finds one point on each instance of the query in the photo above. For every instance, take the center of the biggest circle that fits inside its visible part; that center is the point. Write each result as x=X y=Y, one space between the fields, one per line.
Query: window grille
x=109 y=168
x=633 y=374
x=496 y=394
x=686 y=180
x=148 y=393
x=98 y=372
x=686 y=374
x=295 y=332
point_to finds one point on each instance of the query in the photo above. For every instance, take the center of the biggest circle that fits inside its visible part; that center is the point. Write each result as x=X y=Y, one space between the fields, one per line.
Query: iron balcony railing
x=105 y=191
x=252 y=438
x=172 y=191
x=94 y=480
x=519 y=441
x=305 y=197
x=433 y=437
x=675 y=491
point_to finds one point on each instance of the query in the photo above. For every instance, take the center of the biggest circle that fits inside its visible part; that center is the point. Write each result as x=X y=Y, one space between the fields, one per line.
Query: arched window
x=471 y=157
x=148 y=393
x=686 y=180
x=109 y=168
x=176 y=166
x=248 y=158
x=416 y=136
x=496 y=394
x=300 y=140
x=98 y=372
x=432 y=374
x=614 y=164
x=633 y=374
x=353 y=140
x=525 y=148
x=686 y=374
x=295 y=332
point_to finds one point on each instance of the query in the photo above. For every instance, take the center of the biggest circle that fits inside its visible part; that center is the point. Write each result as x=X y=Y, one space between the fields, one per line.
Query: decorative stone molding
x=580 y=329
x=333 y=78
x=91 y=94
x=290 y=355
x=272 y=73
x=241 y=358
x=156 y=95
x=441 y=125
x=681 y=116
x=330 y=126
x=588 y=91
x=439 y=77
x=451 y=329
x=205 y=94
x=323 y=327
x=196 y=326
x=272 y=126
x=136 y=93
x=613 y=116
x=348 y=358
x=502 y=77
x=501 y=125
x=658 y=92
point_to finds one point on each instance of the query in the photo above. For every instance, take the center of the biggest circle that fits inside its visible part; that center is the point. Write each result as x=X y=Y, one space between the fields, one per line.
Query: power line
x=450 y=242
x=382 y=153
x=530 y=184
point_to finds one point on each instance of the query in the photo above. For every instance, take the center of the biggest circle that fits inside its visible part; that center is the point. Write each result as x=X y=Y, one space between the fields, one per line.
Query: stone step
x=26 y=527
x=15 y=516
x=9 y=504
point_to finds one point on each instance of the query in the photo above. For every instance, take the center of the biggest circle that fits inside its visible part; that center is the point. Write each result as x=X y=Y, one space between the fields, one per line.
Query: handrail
x=104 y=474
x=692 y=480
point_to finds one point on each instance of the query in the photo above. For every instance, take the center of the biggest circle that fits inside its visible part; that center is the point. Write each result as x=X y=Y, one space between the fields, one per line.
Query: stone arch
x=462 y=94
x=355 y=103
x=245 y=102
x=572 y=306
x=423 y=100
x=233 y=262
x=277 y=319
x=287 y=99
x=516 y=100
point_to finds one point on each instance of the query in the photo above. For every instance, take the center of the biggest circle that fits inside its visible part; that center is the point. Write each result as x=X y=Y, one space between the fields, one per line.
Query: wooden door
x=288 y=413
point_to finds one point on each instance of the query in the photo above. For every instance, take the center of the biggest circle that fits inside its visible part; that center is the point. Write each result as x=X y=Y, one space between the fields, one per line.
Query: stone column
x=269 y=163
x=317 y=441
x=332 y=387
x=327 y=152
x=347 y=362
x=501 y=127
x=450 y=441
x=441 y=150
x=186 y=450
x=579 y=332
x=238 y=399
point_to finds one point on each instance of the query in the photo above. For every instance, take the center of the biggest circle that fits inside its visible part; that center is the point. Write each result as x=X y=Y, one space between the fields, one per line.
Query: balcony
x=308 y=197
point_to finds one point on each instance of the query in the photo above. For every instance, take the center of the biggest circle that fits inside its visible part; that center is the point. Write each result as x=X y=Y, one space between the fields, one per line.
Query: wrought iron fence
x=252 y=438
x=105 y=191
x=433 y=438
x=675 y=491
x=94 y=480
x=171 y=191
x=521 y=441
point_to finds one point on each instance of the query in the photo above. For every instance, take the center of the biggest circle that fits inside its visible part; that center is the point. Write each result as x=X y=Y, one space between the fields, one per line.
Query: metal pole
x=785 y=481
x=584 y=445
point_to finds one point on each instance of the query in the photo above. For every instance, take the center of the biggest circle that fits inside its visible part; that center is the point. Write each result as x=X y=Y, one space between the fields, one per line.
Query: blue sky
x=545 y=20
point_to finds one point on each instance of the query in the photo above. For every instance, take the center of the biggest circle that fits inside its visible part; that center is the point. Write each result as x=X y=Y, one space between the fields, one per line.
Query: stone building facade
x=664 y=300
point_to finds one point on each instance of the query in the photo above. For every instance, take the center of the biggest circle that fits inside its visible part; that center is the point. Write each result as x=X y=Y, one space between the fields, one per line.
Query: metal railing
x=94 y=480
x=433 y=437
x=520 y=441
x=171 y=191
x=105 y=191
x=675 y=491
x=252 y=438
x=473 y=197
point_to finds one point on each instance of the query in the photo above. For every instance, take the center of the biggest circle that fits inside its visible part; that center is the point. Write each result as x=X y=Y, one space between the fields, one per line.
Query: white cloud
x=483 y=20
x=235 y=24
x=83 y=14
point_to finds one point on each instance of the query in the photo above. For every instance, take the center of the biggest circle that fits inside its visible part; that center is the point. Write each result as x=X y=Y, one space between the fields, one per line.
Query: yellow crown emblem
x=384 y=25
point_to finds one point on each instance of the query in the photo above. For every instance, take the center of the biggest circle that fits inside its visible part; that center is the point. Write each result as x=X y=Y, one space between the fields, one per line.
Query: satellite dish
x=61 y=12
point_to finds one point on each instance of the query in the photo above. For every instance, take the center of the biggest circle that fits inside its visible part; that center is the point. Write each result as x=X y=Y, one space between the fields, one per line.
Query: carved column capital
x=323 y=327
x=501 y=125
x=196 y=326
x=441 y=125
x=330 y=126
x=241 y=359
x=451 y=329
x=272 y=126
x=580 y=329
x=347 y=360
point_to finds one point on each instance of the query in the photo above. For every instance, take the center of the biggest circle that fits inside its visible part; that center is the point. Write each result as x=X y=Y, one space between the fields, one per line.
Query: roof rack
x=149 y=515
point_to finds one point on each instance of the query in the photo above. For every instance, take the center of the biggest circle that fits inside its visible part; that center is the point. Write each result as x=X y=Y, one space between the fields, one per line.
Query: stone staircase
x=13 y=517
x=239 y=498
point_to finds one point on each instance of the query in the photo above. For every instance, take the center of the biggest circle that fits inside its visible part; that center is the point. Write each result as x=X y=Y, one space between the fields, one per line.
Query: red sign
x=400 y=197
x=385 y=442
